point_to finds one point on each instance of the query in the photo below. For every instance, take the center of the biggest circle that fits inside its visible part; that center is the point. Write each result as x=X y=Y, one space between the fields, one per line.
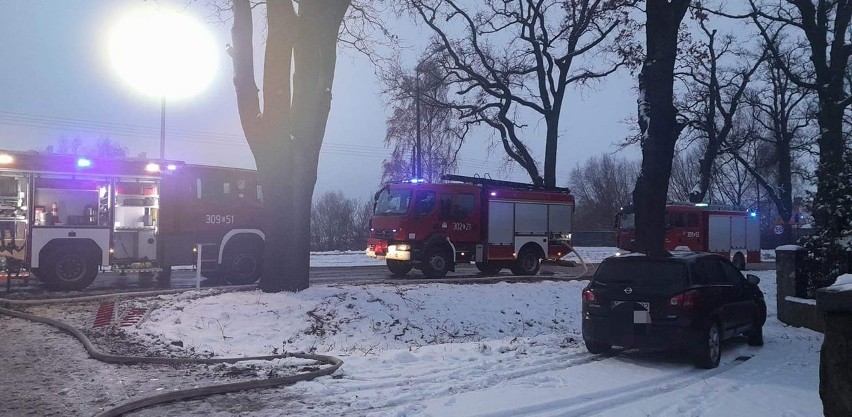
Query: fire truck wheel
x=528 y=262
x=242 y=265
x=68 y=269
x=489 y=268
x=437 y=263
x=398 y=268
x=739 y=261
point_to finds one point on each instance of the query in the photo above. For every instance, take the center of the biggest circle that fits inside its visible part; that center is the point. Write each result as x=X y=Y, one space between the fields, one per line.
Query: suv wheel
x=709 y=352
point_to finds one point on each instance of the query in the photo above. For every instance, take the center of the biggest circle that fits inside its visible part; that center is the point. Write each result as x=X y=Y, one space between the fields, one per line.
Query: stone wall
x=835 y=365
x=791 y=283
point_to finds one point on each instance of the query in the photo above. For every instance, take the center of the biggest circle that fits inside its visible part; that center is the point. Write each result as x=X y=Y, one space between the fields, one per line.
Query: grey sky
x=56 y=80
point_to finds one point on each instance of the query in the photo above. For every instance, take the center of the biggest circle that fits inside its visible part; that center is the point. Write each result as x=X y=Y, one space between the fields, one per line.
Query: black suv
x=690 y=301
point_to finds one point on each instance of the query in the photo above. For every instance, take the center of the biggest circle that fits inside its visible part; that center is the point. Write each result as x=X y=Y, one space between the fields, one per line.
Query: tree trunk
x=287 y=136
x=657 y=122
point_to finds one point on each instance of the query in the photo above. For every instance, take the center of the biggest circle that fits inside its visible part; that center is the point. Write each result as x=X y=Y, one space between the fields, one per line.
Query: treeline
x=339 y=223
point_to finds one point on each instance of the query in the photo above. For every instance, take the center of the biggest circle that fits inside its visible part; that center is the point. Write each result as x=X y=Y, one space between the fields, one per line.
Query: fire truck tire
x=242 y=265
x=489 y=268
x=437 y=262
x=398 y=268
x=68 y=269
x=528 y=262
x=739 y=261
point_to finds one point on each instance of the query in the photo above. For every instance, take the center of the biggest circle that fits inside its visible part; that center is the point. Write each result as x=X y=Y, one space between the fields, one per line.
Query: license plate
x=642 y=312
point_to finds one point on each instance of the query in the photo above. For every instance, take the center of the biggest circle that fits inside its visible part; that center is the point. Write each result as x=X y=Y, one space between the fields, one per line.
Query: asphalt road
x=107 y=283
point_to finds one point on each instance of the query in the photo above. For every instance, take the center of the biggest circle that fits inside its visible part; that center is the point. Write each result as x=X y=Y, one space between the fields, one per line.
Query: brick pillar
x=789 y=280
x=835 y=359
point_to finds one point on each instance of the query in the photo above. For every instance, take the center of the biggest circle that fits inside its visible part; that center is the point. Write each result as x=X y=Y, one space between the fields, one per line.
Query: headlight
x=403 y=248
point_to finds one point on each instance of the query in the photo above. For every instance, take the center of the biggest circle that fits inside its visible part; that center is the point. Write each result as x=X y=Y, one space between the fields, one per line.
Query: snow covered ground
x=478 y=350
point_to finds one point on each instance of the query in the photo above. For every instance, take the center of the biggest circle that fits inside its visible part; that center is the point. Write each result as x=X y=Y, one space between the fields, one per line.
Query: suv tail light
x=684 y=300
x=588 y=296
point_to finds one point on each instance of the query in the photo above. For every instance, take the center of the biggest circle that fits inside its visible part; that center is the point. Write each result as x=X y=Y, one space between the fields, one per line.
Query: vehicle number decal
x=219 y=218
x=461 y=226
x=693 y=234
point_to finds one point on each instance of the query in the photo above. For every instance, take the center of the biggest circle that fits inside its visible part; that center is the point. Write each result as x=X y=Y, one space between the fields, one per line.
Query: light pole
x=417 y=167
x=163 y=128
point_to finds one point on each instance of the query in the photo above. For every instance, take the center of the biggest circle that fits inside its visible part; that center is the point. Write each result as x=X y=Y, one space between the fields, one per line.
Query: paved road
x=183 y=278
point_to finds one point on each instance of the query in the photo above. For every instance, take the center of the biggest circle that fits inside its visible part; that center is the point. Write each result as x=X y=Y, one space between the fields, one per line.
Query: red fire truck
x=496 y=224
x=701 y=227
x=66 y=218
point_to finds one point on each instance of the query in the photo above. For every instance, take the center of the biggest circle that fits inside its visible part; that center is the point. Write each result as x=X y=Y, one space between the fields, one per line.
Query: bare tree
x=820 y=31
x=782 y=113
x=517 y=59
x=659 y=129
x=716 y=76
x=416 y=102
x=601 y=186
x=103 y=147
x=333 y=222
x=285 y=133
x=684 y=174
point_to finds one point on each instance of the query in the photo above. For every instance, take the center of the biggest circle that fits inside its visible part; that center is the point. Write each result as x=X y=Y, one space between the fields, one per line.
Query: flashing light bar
x=416 y=180
x=84 y=163
x=753 y=214
x=493 y=194
x=700 y=204
x=6 y=159
x=171 y=167
x=152 y=167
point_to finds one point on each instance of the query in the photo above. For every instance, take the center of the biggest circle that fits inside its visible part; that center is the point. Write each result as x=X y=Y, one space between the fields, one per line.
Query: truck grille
x=383 y=234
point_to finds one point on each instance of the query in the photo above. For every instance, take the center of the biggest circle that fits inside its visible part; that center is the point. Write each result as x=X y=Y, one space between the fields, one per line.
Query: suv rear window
x=642 y=273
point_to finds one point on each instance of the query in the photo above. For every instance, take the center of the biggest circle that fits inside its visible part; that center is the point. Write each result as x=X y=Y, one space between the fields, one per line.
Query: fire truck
x=67 y=218
x=725 y=230
x=496 y=224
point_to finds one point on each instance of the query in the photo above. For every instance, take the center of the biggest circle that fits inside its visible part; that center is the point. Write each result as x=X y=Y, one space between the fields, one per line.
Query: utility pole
x=163 y=128
x=417 y=150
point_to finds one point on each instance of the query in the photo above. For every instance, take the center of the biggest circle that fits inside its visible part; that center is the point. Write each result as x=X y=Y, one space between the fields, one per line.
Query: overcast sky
x=57 y=80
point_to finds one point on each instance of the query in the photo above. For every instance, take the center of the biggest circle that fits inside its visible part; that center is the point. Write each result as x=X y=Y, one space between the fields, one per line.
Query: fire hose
x=171 y=396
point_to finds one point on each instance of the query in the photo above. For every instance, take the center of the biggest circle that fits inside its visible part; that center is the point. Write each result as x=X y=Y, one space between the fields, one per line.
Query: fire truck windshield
x=626 y=221
x=392 y=202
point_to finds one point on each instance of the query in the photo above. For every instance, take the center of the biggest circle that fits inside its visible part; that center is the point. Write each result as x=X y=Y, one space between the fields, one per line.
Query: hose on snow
x=170 y=396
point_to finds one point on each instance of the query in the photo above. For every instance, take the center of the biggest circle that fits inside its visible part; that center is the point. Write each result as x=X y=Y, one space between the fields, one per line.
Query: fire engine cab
x=725 y=230
x=496 y=224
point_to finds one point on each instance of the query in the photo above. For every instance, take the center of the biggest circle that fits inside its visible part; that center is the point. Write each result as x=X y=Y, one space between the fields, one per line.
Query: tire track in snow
x=599 y=401
x=421 y=388
x=542 y=363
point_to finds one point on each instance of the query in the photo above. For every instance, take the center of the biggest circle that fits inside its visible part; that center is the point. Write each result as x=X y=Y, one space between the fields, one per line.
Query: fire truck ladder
x=503 y=184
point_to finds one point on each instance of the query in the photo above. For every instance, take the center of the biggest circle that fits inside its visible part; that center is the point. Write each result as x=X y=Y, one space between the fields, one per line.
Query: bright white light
x=152 y=167
x=163 y=53
x=6 y=158
x=171 y=167
x=84 y=163
x=700 y=204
